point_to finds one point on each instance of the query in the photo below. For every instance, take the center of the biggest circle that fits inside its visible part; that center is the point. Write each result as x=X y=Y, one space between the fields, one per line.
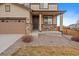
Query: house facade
x=25 y=18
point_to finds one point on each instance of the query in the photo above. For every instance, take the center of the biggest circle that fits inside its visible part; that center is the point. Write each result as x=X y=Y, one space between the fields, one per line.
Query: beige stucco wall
x=16 y=11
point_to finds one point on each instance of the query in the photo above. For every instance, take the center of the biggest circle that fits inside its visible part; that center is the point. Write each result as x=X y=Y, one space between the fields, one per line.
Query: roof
x=48 y=12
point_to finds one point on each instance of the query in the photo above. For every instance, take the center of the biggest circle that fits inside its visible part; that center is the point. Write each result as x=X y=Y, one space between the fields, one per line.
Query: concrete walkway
x=43 y=40
x=6 y=40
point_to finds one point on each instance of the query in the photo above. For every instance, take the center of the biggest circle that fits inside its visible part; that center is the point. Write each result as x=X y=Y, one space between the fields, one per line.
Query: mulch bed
x=27 y=38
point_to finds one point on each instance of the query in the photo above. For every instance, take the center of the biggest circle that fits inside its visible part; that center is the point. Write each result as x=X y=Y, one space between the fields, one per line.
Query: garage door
x=12 y=25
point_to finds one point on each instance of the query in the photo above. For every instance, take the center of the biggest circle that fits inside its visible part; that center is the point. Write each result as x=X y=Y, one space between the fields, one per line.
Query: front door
x=35 y=22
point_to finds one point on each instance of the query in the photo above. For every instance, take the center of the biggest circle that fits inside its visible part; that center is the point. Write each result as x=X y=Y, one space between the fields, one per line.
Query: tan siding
x=54 y=20
x=16 y=11
x=53 y=7
x=50 y=7
x=14 y=27
x=35 y=6
x=42 y=19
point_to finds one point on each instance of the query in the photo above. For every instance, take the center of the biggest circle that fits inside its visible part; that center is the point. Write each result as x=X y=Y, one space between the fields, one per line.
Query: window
x=7 y=8
x=47 y=19
x=44 y=5
x=27 y=4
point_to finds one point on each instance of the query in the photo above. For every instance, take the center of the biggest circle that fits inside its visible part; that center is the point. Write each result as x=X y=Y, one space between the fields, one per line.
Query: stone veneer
x=49 y=27
x=28 y=26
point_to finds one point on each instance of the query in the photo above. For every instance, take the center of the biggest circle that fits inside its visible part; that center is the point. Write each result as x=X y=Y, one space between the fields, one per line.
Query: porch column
x=40 y=22
x=61 y=22
x=54 y=22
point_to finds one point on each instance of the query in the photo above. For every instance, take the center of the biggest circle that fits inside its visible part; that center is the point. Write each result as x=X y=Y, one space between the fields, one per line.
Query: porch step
x=35 y=34
x=54 y=33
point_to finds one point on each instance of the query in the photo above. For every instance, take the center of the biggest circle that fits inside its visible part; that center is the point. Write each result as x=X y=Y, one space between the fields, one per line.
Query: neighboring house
x=77 y=26
x=25 y=18
x=74 y=26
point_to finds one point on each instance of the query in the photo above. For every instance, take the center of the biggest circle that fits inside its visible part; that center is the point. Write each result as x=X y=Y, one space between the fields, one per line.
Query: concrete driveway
x=7 y=40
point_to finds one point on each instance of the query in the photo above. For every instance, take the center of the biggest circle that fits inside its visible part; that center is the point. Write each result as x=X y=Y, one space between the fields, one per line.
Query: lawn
x=46 y=51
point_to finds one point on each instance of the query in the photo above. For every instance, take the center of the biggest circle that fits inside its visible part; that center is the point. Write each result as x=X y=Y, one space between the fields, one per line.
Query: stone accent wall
x=28 y=25
x=49 y=27
x=28 y=28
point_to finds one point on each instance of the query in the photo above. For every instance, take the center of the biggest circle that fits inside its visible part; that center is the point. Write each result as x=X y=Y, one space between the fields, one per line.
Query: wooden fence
x=71 y=32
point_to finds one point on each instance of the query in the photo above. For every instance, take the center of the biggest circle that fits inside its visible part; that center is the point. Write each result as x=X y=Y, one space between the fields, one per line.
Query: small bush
x=75 y=39
x=27 y=38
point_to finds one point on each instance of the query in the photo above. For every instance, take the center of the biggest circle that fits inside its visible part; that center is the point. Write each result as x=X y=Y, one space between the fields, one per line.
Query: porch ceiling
x=47 y=12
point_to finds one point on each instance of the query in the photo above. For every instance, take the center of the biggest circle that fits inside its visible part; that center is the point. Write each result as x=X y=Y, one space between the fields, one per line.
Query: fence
x=71 y=32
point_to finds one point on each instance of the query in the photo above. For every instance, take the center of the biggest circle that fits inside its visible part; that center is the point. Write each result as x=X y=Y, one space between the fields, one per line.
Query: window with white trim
x=47 y=19
x=43 y=5
x=7 y=8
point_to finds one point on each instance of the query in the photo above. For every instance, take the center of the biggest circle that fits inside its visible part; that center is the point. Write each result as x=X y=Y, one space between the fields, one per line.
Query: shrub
x=27 y=38
x=75 y=39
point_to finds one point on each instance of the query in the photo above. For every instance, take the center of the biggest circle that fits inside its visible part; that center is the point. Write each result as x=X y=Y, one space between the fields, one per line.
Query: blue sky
x=72 y=13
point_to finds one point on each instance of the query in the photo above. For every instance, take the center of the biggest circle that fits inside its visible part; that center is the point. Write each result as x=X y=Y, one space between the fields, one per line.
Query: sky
x=71 y=15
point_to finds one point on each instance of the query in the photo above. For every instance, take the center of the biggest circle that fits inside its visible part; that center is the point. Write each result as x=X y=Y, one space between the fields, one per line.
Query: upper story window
x=43 y=5
x=27 y=4
x=7 y=8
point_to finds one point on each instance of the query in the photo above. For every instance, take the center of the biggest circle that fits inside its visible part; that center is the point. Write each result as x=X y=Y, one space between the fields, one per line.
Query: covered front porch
x=47 y=20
